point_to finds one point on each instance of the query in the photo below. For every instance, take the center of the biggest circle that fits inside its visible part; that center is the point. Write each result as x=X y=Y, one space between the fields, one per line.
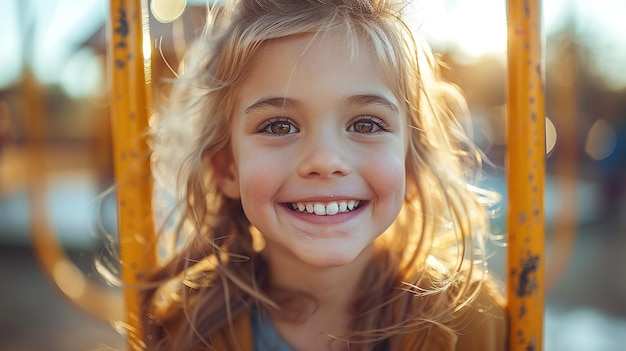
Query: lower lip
x=327 y=219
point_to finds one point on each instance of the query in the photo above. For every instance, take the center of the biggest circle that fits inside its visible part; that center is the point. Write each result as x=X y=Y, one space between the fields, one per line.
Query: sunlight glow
x=480 y=29
x=471 y=28
x=45 y=34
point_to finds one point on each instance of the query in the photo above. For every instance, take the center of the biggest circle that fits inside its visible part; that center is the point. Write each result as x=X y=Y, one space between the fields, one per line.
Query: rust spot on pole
x=527 y=280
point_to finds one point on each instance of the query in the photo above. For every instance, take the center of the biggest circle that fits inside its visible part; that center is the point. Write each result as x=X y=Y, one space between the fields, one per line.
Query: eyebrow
x=285 y=102
x=372 y=99
x=270 y=102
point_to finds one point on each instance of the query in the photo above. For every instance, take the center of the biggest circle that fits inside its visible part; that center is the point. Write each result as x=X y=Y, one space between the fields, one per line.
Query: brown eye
x=367 y=125
x=364 y=126
x=278 y=127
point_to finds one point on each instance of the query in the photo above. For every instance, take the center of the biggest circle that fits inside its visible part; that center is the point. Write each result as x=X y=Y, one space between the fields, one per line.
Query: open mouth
x=325 y=208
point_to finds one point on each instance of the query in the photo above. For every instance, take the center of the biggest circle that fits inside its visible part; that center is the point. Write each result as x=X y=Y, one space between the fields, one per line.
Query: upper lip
x=325 y=199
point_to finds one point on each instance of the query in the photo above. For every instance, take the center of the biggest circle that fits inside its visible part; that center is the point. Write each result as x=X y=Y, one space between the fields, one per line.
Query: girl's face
x=319 y=143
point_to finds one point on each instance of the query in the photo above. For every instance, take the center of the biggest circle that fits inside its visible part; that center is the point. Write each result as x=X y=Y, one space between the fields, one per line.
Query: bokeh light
x=601 y=140
x=166 y=11
x=551 y=136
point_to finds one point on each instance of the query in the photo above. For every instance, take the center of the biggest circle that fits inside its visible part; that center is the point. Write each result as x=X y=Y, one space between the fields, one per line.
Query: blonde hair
x=429 y=252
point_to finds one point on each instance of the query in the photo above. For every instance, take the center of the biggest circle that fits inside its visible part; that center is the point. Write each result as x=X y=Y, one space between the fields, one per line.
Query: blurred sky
x=47 y=35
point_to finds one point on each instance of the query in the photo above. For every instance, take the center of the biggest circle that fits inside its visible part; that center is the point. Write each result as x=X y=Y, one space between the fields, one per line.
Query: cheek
x=259 y=176
x=388 y=177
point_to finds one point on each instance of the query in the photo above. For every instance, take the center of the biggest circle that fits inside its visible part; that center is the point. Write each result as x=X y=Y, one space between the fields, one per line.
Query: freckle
x=531 y=177
x=521 y=218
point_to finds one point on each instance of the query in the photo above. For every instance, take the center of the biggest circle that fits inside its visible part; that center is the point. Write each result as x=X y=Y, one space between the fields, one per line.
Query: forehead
x=323 y=64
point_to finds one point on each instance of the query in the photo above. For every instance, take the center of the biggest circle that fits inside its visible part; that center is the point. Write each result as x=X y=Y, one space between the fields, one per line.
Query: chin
x=326 y=258
x=328 y=262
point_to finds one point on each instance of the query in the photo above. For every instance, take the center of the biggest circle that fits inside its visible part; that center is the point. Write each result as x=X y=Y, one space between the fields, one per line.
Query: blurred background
x=56 y=164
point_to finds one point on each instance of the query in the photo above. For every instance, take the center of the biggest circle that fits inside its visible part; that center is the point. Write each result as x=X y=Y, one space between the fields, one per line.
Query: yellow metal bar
x=129 y=65
x=525 y=176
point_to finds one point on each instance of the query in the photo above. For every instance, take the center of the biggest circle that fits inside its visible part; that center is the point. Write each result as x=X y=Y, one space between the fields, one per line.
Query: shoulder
x=237 y=336
x=479 y=324
x=482 y=324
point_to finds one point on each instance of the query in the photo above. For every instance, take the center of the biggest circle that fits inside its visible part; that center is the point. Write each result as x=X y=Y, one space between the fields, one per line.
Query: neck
x=308 y=326
x=332 y=288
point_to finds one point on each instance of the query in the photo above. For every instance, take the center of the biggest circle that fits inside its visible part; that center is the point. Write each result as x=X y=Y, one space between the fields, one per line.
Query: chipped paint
x=121 y=31
x=527 y=280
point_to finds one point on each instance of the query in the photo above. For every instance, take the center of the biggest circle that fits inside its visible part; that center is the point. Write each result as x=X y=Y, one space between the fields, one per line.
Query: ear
x=226 y=174
x=410 y=187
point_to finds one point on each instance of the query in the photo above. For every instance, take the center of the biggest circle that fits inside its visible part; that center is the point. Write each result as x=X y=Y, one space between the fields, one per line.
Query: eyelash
x=378 y=124
x=265 y=128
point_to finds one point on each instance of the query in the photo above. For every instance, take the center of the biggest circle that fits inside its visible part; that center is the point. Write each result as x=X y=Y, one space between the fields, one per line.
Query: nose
x=324 y=156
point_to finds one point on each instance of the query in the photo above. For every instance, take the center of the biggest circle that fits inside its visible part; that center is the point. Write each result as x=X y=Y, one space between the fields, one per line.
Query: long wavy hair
x=213 y=272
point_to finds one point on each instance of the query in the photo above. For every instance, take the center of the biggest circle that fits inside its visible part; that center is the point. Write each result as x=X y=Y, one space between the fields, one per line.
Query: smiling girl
x=322 y=176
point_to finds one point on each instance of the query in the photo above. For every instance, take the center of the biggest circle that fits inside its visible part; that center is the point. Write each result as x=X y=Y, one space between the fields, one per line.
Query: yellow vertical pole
x=525 y=176
x=129 y=65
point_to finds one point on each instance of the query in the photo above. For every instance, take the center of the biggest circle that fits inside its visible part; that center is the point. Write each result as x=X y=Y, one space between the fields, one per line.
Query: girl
x=322 y=181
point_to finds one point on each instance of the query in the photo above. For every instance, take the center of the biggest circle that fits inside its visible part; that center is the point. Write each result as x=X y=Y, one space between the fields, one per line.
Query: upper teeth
x=325 y=209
